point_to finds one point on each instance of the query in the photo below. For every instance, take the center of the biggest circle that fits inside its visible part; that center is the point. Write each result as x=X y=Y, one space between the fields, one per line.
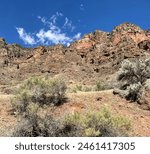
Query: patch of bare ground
x=83 y=102
x=7 y=121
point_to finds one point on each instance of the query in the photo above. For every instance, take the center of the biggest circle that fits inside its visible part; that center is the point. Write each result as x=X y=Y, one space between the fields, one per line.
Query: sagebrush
x=40 y=91
x=99 y=124
x=132 y=78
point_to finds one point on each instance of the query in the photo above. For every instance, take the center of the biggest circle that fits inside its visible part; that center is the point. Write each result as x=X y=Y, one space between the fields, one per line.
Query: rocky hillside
x=96 y=56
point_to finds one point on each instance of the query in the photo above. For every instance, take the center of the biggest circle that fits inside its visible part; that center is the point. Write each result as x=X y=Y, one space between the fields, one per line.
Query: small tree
x=132 y=77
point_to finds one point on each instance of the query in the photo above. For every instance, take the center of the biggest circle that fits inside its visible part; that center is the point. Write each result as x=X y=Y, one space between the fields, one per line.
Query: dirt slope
x=83 y=102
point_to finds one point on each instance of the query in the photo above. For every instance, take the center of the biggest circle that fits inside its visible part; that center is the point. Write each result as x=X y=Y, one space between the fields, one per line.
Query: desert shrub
x=36 y=126
x=101 y=124
x=132 y=77
x=40 y=91
x=46 y=126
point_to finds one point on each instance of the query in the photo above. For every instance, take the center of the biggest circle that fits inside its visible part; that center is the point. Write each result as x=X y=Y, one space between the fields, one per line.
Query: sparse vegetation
x=100 y=124
x=132 y=77
x=89 y=66
x=40 y=91
x=82 y=88
x=98 y=86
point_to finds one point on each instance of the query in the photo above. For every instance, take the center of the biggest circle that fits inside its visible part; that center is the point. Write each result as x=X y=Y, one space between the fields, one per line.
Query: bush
x=99 y=124
x=35 y=127
x=132 y=77
x=40 y=91
x=45 y=126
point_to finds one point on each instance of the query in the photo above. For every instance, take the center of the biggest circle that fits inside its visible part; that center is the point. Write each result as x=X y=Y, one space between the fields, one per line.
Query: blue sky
x=46 y=22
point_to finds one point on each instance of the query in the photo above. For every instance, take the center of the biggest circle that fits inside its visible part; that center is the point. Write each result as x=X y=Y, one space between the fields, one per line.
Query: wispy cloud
x=68 y=24
x=51 y=33
x=27 y=38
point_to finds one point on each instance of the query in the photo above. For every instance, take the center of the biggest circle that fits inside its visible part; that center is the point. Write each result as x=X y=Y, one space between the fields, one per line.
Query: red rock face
x=129 y=31
x=137 y=38
x=85 y=43
x=89 y=41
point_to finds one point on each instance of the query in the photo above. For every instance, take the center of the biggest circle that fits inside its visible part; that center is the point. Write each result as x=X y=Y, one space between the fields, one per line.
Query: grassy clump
x=80 y=88
x=100 y=86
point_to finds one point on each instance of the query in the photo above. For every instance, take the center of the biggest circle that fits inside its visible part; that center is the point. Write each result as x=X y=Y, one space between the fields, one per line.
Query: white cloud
x=51 y=33
x=27 y=38
x=53 y=37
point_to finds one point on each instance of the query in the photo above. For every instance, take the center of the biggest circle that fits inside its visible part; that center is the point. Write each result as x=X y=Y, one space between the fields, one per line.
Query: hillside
x=93 y=59
x=97 y=55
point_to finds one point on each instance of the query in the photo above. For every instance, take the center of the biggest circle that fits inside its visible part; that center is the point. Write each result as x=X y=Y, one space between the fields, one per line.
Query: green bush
x=101 y=124
x=40 y=91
